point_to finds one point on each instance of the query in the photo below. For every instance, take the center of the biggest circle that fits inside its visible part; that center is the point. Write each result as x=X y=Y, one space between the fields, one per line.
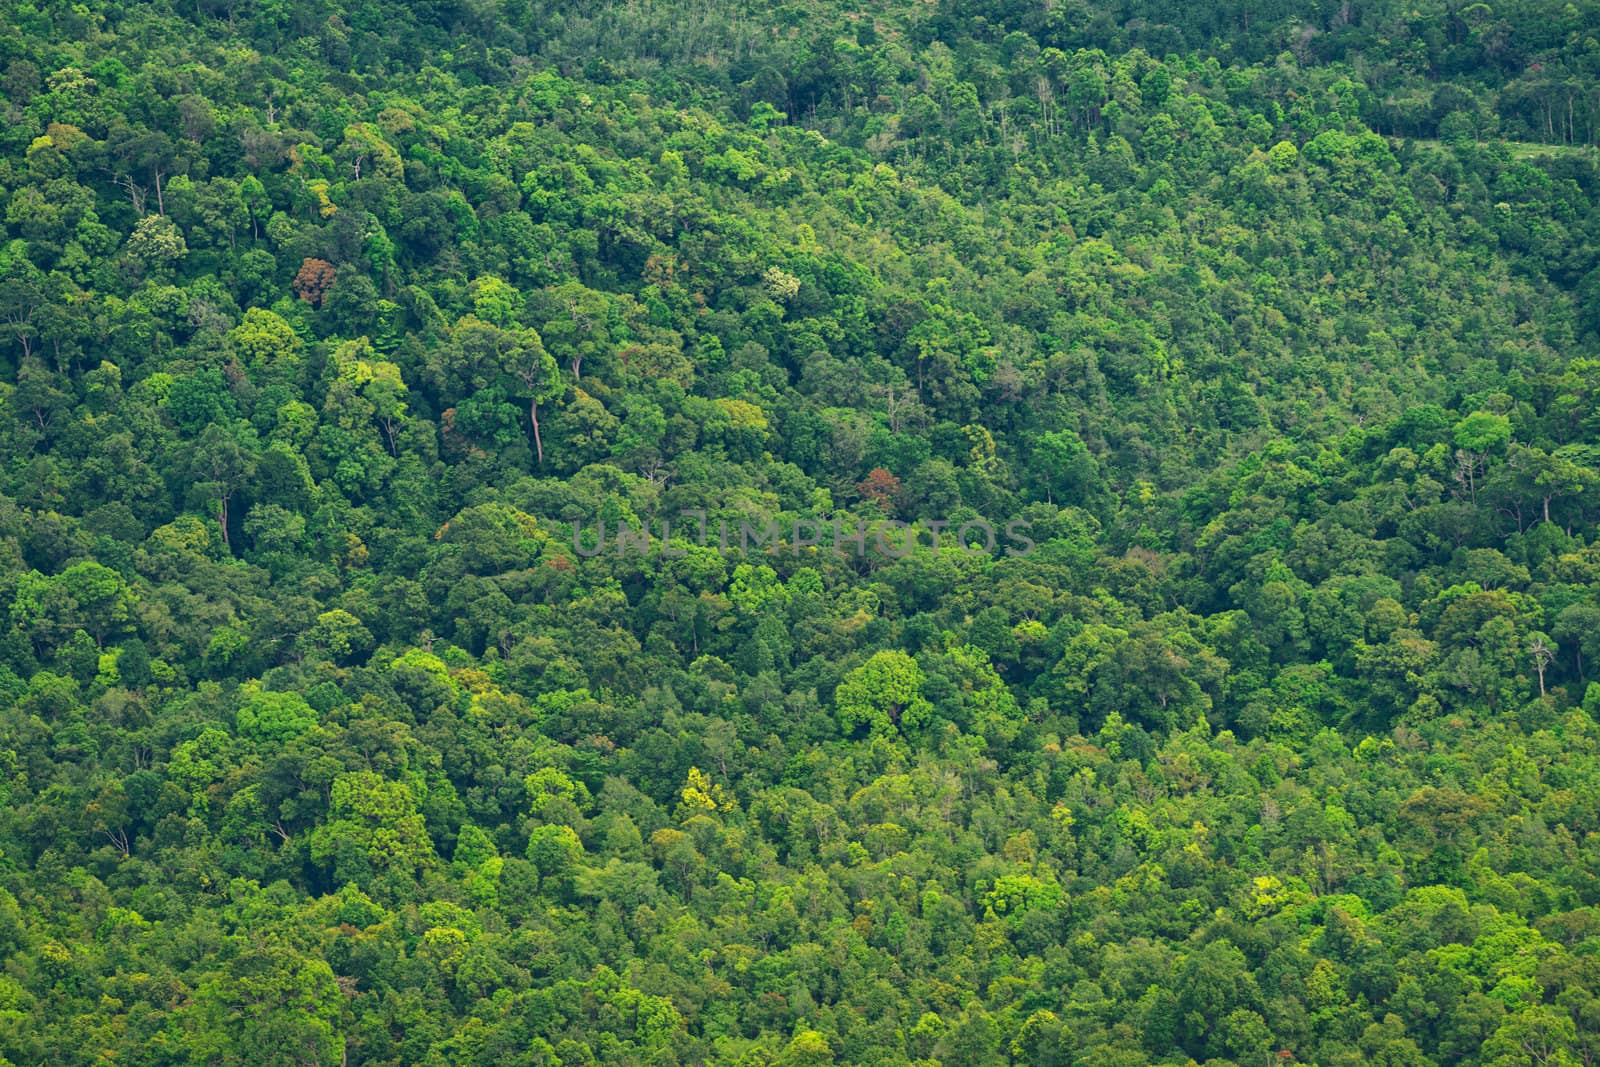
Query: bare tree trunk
x=136 y=192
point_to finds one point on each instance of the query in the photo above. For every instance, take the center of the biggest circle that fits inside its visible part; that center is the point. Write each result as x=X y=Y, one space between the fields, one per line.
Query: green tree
x=884 y=694
x=219 y=467
x=271 y=1005
x=374 y=830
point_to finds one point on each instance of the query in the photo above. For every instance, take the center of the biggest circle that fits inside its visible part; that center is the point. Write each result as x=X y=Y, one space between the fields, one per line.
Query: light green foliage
x=1267 y=340
x=275 y=717
x=340 y=634
x=1015 y=895
x=266 y=344
x=156 y=244
x=493 y=300
x=373 y=830
x=884 y=694
x=1482 y=431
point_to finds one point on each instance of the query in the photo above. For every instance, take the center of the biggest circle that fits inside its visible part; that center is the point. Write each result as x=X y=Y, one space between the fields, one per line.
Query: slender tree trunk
x=538 y=445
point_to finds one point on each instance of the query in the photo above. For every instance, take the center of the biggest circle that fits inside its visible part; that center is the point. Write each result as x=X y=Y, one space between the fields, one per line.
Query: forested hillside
x=1275 y=325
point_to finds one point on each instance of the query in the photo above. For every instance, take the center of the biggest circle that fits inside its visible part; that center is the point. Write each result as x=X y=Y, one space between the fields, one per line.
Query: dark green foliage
x=1267 y=734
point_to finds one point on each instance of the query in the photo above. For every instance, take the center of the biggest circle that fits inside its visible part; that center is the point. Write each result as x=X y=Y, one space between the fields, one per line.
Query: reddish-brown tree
x=881 y=487
x=313 y=281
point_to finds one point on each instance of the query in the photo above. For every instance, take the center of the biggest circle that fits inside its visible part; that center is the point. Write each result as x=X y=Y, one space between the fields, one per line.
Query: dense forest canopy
x=323 y=326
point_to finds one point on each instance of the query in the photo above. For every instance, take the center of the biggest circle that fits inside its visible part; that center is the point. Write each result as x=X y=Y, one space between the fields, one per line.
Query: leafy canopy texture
x=884 y=694
x=451 y=603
